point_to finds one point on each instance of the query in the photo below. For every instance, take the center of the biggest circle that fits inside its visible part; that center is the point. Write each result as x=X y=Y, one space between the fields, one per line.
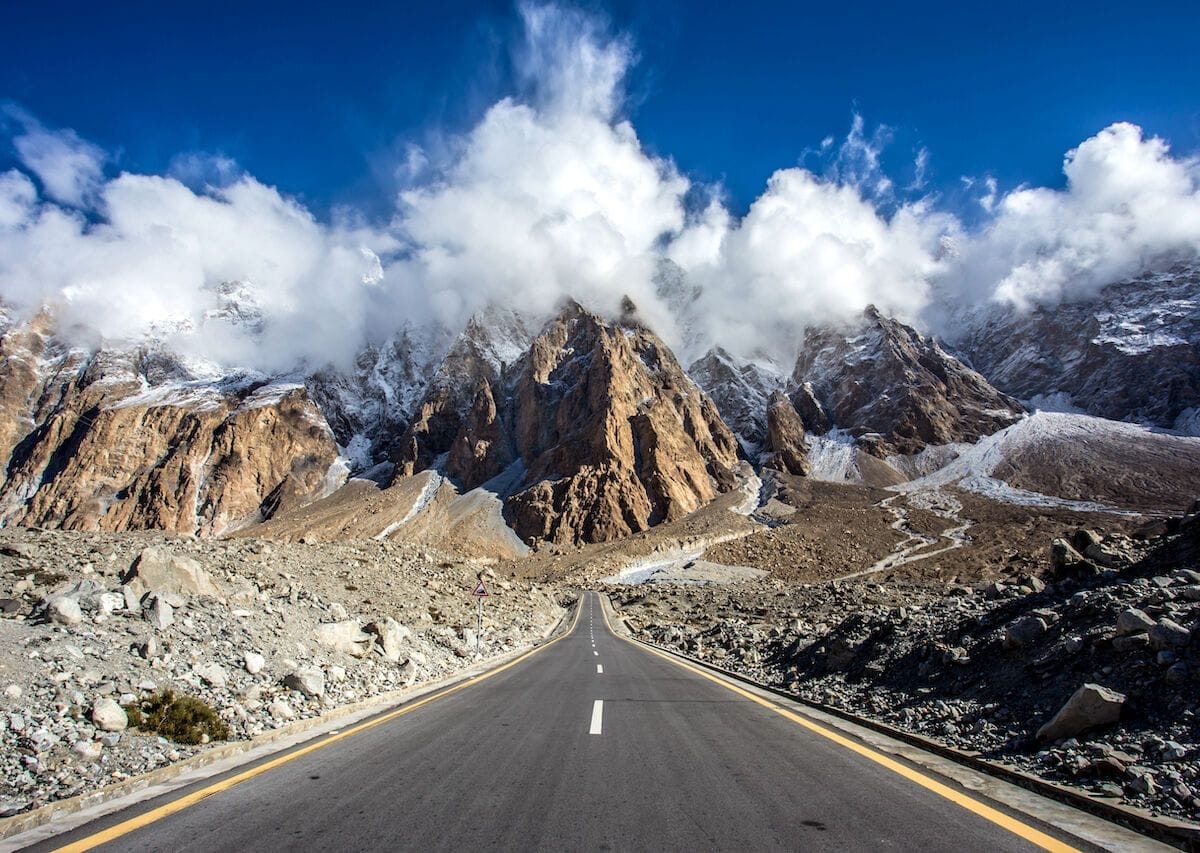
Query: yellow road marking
x=969 y=803
x=135 y=823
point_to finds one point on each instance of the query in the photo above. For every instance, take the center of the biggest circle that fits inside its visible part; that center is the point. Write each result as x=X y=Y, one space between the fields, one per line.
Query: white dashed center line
x=599 y=669
x=596 y=653
x=597 y=717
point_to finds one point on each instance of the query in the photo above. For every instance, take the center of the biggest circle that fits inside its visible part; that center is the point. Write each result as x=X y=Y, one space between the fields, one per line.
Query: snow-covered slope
x=1133 y=353
x=1076 y=461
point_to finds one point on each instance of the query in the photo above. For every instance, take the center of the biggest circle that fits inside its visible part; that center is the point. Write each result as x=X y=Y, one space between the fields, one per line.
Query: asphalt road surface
x=591 y=743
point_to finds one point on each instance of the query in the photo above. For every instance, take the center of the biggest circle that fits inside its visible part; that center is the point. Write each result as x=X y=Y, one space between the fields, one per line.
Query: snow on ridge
x=974 y=468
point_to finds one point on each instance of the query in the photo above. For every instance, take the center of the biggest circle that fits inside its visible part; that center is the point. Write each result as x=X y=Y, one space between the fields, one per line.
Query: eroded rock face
x=741 y=392
x=110 y=441
x=894 y=388
x=785 y=449
x=478 y=357
x=1133 y=353
x=613 y=434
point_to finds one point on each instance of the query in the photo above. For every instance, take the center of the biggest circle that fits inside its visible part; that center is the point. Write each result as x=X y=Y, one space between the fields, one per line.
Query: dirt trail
x=915 y=545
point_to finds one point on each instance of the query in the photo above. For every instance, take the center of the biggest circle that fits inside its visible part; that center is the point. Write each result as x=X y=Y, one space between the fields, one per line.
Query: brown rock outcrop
x=613 y=434
x=479 y=355
x=785 y=449
x=98 y=448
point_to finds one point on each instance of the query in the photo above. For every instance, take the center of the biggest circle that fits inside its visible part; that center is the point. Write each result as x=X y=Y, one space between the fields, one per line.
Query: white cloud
x=551 y=195
x=17 y=198
x=1128 y=204
x=69 y=168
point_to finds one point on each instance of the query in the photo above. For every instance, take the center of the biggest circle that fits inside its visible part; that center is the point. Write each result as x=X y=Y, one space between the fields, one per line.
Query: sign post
x=480 y=594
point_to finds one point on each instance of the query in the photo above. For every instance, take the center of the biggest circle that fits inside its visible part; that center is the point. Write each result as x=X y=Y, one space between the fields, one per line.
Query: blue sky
x=320 y=99
x=355 y=170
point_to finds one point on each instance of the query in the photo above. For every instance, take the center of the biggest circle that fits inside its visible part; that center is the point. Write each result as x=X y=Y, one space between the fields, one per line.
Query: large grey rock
x=158 y=570
x=308 y=680
x=62 y=610
x=1090 y=706
x=345 y=636
x=108 y=715
x=392 y=637
x=1133 y=621
x=1167 y=633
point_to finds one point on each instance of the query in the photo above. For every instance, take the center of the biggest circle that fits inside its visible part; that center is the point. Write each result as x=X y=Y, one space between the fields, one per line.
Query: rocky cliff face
x=1132 y=354
x=613 y=434
x=785 y=449
x=741 y=392
x=474 y=364
x=106 y=441
x=894 y=389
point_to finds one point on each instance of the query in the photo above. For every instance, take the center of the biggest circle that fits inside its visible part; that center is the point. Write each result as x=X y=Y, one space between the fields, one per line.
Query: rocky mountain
x=1133 y=353
x=130 y=439
x=614 y=437
x=475 y=362
x=741 y=391
x=894 y=389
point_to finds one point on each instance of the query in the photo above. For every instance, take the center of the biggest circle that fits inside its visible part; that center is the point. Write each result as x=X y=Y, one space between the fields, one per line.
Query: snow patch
x=833 y=457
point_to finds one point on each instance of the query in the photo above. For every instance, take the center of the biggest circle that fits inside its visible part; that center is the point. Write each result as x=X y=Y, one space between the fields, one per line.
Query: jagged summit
x=884 y=378
x=1133 y=353
x=741 y=392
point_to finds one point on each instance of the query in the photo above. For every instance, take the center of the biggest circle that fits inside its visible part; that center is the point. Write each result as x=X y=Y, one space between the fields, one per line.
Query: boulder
x=1133 y=621
x=391 y=635
x=108 y=715
x=1167 y=633
x=308 y=680
x=346 y=636
x=158 y=570
x=62 y=610
x=1090 y=706
x=1024 y=632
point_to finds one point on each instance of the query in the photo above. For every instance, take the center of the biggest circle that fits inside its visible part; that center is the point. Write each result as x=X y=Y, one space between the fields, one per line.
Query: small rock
x=109 y=716
x=310 y=681
x=13 y=691
x=280 y=710
x=1133 y=621
x=254 y=662
x=1177 y=673
x=211 y=674
x=392 y=637
x=88 y=749
x=1024 y=632
x=1133 y=643
x=345 y=637
x=1166 y=633
x=158 y=612
x=63 y=610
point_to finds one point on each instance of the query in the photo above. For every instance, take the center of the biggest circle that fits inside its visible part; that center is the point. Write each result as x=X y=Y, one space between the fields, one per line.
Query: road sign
x=481 y=590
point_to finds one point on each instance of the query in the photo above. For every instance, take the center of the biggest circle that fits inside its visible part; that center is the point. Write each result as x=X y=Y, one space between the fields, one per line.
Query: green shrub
x=183 y=719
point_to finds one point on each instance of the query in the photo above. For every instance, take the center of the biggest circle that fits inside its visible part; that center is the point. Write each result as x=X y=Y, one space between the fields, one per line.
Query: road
x=591 y=743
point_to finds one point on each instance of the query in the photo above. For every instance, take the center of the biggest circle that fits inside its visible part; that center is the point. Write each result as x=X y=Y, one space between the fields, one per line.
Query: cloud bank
x=552 y=194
